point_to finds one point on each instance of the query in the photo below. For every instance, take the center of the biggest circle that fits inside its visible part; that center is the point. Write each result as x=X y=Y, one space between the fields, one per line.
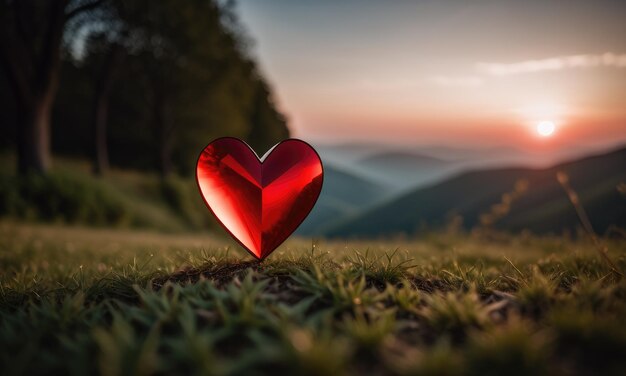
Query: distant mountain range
x=401 y=159
x=397 y=169
x=544 y=208
x=359 y=177
x=344 y=194
x=402 y=169
x=349 y=153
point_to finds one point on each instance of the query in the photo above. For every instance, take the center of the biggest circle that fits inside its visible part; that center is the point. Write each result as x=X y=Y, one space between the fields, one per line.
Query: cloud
x=463 y=81
x=553 y=64
x=369 y=84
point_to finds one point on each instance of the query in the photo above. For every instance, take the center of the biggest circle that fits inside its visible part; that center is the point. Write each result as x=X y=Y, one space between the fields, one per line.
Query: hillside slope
x=406 y=170
x=343 y=194
x=71 y=194
x=544 y=208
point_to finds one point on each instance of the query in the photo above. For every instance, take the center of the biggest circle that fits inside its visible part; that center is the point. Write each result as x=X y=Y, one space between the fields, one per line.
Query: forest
x=131 y=84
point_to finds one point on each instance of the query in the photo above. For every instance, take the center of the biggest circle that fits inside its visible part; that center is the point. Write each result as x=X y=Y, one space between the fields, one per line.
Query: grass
x=70 y=194
x=100 y=301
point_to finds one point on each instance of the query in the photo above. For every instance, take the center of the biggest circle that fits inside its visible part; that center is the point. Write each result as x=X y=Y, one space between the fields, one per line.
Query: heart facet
x=259 y=202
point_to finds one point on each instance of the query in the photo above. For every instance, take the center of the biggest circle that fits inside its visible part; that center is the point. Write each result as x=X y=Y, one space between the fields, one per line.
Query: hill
x=343 y=194
x=544 y=208
x=401 y=159
x=404 y=169
x=71 y=194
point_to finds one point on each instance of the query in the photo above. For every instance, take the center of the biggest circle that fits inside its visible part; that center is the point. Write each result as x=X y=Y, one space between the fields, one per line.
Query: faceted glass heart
x=260 y=203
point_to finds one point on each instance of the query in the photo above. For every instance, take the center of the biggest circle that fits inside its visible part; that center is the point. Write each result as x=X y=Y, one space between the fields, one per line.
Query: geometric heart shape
x=260 y=202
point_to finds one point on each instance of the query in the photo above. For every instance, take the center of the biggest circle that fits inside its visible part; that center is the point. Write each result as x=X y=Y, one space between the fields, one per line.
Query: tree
x=105 y=56
x=267 y=125
x=185 y=79
x=31 y=38
x=189 y=59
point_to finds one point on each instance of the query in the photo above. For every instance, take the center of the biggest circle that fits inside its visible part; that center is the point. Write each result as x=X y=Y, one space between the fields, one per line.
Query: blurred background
x=428 y=115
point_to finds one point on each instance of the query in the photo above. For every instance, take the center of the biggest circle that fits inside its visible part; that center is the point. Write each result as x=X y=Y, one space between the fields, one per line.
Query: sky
x=477 y=73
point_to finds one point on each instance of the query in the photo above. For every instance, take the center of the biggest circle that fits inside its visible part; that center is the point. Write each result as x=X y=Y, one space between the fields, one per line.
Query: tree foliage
x=152 y=83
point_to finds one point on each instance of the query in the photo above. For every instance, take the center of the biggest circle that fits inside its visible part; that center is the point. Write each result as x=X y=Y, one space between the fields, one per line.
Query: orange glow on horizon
x=454 y=82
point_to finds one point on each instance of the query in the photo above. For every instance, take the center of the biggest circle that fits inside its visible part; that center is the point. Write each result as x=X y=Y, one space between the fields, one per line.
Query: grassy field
x=71 y=194
x=95 y=301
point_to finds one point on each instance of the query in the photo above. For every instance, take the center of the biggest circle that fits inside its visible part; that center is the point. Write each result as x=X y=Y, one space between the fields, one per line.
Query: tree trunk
x=33 y=143
x=101 y=111
x=167 y=167
x=34 y=80
x=101 y=154
x=34 y=72
x=164 y=134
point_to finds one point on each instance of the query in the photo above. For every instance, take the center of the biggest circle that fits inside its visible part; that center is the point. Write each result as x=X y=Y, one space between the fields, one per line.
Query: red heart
x=260 y=202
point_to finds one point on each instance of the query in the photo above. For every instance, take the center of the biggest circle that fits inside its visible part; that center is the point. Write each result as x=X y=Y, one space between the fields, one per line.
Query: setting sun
x=545 y=128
